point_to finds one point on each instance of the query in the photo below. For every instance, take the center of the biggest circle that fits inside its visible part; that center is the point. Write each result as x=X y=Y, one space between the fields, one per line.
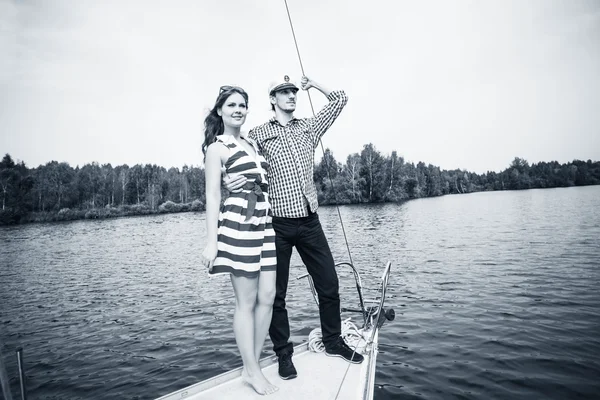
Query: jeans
x=307 y=235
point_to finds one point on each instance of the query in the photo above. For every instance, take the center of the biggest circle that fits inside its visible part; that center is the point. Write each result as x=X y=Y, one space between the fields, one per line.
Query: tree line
x=56 y=191
x=369 y=176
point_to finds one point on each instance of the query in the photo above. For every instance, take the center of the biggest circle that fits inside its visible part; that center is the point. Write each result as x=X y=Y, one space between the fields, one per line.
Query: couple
x=271 y=208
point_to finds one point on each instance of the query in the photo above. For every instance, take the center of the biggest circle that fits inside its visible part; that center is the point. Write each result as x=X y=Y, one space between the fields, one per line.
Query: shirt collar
x=275 y=121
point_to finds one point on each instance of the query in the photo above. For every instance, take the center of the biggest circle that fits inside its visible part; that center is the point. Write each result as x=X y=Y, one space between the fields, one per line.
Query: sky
x=466 y=84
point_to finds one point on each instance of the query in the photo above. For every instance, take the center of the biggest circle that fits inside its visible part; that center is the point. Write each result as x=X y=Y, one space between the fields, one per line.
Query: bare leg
x=264 y=309
x=246 y=291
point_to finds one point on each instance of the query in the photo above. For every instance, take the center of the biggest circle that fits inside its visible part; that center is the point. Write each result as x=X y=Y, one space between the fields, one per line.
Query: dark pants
x=308 y=237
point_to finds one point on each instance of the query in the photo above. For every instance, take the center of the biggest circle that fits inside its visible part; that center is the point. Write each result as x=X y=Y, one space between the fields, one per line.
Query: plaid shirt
x=290 y=151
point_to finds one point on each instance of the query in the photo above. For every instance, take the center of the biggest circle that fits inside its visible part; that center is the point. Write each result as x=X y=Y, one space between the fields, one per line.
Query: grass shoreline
x=66 y=214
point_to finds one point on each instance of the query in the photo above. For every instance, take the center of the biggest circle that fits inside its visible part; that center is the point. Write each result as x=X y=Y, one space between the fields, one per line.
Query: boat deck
x=319 y=377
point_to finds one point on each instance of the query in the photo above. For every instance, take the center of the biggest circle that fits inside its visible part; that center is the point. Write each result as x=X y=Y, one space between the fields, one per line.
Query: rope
x=348 y=367
x=320 y=140
x=349 y=330
x=350 y=333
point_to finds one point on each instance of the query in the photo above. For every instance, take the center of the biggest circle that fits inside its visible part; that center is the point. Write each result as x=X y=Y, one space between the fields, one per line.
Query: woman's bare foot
x=259 y=383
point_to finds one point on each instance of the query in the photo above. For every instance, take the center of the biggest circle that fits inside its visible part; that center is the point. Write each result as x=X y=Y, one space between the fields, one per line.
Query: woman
x=241 y=240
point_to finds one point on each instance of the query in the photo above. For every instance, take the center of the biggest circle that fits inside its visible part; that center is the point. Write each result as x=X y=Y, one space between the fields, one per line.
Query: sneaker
x=286 y=366
x=341 y=349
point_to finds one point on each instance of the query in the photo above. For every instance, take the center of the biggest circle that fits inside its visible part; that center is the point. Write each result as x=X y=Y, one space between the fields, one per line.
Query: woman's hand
x=207 y=258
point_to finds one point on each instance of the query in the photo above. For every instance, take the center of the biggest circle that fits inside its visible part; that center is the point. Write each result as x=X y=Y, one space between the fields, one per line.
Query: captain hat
x=281 y=83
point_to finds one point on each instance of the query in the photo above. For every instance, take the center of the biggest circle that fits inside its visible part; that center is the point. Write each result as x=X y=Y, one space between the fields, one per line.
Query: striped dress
x=246 y=239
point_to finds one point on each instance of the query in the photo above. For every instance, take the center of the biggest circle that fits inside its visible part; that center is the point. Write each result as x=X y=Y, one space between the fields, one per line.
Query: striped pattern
x=290 y=151
x=245 y=247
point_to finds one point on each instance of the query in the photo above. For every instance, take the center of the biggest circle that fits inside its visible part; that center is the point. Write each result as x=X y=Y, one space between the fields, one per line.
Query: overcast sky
x=458 y=84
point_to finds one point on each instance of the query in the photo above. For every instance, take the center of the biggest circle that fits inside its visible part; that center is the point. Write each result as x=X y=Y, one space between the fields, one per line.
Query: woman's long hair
x=213 y=123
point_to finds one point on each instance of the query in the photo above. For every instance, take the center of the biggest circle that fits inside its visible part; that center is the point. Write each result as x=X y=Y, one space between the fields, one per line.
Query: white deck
x=320 y=377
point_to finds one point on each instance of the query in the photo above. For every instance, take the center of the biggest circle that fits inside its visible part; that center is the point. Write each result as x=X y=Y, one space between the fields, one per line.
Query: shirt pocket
x=306 y=143
x=272 y=147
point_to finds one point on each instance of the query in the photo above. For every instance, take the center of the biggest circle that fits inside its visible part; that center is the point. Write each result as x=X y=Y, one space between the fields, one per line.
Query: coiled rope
x=350 y=333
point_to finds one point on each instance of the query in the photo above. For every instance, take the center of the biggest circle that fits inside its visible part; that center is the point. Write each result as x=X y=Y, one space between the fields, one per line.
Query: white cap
x=281 y=83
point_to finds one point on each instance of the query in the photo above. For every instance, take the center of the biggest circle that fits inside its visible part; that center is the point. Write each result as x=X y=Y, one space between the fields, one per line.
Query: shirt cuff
x=337 y=94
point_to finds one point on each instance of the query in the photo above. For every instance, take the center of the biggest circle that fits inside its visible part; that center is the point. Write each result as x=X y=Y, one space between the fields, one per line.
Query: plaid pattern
x=290 y=150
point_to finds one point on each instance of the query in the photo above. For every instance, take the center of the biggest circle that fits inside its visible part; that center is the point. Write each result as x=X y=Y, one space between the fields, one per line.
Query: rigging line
x=320 y=140
x=368 y=342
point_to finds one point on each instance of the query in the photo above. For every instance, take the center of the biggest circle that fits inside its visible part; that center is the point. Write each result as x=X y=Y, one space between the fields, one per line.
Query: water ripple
x=496 y=296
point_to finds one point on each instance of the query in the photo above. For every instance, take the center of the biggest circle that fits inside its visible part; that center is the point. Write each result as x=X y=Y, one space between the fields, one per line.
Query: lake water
x=496 y=295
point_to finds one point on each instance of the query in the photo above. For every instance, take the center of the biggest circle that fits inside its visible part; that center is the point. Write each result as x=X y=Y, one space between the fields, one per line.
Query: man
x=289 y=144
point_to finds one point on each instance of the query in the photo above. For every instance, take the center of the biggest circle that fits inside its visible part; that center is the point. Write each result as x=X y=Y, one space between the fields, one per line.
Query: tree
x=325 y=173
x=196 y=182
x=108 y=184
x=16 y=185
x=433 y=181
x=327 y=167
x=59 y=177
x=150 y=174
x=353 y=179
x=373 y=173
x=7 y=177
x=89 y=184
x=395 y=190
x=136 y=187
x=121 y=173
x=520 y=164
